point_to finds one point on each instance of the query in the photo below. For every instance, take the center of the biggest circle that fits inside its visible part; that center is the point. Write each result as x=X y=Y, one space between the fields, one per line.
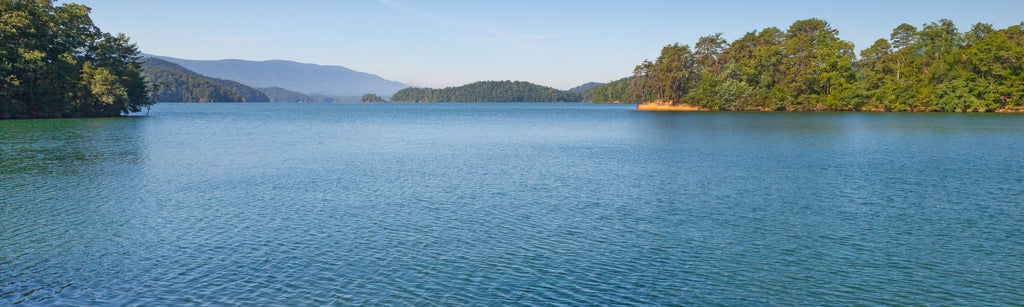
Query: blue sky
x=446 y=43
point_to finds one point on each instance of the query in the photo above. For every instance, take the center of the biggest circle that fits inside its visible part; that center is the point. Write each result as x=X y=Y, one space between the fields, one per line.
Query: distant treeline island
x=488 y=91
x=57 y=63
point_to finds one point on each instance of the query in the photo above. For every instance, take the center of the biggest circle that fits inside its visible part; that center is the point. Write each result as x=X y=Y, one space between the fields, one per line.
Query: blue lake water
x=504 y=204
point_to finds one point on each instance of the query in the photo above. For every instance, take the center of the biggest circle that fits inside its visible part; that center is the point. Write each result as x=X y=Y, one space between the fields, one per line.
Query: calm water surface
x=497 y=204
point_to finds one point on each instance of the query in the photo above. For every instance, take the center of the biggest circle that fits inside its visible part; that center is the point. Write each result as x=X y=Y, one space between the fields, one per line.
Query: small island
x=372 y=98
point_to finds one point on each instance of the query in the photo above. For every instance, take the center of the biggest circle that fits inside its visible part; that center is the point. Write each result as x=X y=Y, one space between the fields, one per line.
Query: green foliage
x=55 y=63
x=938 y=68
x=103 y=85
x=488 y=91
x=371 y=98
x=955 y=96
x=716 y=91
x=807 y=67
x=177 y=84
x=612 y=92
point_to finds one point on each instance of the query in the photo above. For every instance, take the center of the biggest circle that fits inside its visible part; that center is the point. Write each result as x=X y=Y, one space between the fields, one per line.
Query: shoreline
x=667 y=107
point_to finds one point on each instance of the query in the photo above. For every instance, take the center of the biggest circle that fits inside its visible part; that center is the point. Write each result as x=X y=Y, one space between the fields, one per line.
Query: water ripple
x=510 y=205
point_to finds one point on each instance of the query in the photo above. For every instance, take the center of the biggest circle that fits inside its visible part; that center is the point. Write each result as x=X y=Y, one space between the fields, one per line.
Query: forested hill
x=177 y=84
x=327 y=80
x=585 y=86
x=488 y=91
x=277 y=94
x=936 y=67
x=611 y=92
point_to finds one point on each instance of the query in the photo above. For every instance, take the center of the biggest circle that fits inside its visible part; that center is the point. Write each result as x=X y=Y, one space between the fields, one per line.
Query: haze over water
x=492 y=204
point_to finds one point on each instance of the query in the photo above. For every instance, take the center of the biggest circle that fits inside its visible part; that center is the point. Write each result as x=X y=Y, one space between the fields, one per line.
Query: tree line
x=54 y=62
x=488 y=91
x=617 y=91
x=808 y=67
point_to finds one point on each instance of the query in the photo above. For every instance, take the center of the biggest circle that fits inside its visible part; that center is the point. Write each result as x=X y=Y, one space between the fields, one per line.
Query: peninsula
x=57 y=63
x=935 y=68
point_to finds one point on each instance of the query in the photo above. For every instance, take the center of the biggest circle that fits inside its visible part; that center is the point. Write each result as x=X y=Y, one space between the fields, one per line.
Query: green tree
x=106 y=90
x=808 y=67
x=877 y=75
x=992 y=67
x=673 y=73
x=48 y=52
x=640 y=88
x=818 y=65
x=708 y=53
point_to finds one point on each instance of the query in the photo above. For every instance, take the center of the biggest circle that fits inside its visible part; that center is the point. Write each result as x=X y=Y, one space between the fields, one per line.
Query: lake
x=508 y=204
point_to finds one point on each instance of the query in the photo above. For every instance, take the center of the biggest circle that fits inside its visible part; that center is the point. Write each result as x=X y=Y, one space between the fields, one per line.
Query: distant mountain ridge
x=293 y=76
x=585 y=86
x=178 y=84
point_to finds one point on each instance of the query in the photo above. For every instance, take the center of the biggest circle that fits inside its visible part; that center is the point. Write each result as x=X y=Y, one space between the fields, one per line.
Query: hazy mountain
x=586 y=86
x=488 y=91
x=177 y=84
x=322 y=98
x=277 y=94
x=294 y=76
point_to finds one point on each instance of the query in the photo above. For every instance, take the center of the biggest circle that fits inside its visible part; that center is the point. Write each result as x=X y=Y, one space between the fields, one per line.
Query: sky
x=439 y=43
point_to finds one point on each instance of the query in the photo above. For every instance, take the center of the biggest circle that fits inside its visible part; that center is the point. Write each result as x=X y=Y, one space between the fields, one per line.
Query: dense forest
x=54 y=62
x=177 y=84
x=808 y=67
x=612 y=92
x=488 y=91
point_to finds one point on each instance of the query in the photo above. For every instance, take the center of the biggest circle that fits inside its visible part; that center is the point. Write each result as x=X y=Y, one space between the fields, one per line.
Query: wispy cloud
x=308 y=50
x=232 y=39
x=492 y=34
